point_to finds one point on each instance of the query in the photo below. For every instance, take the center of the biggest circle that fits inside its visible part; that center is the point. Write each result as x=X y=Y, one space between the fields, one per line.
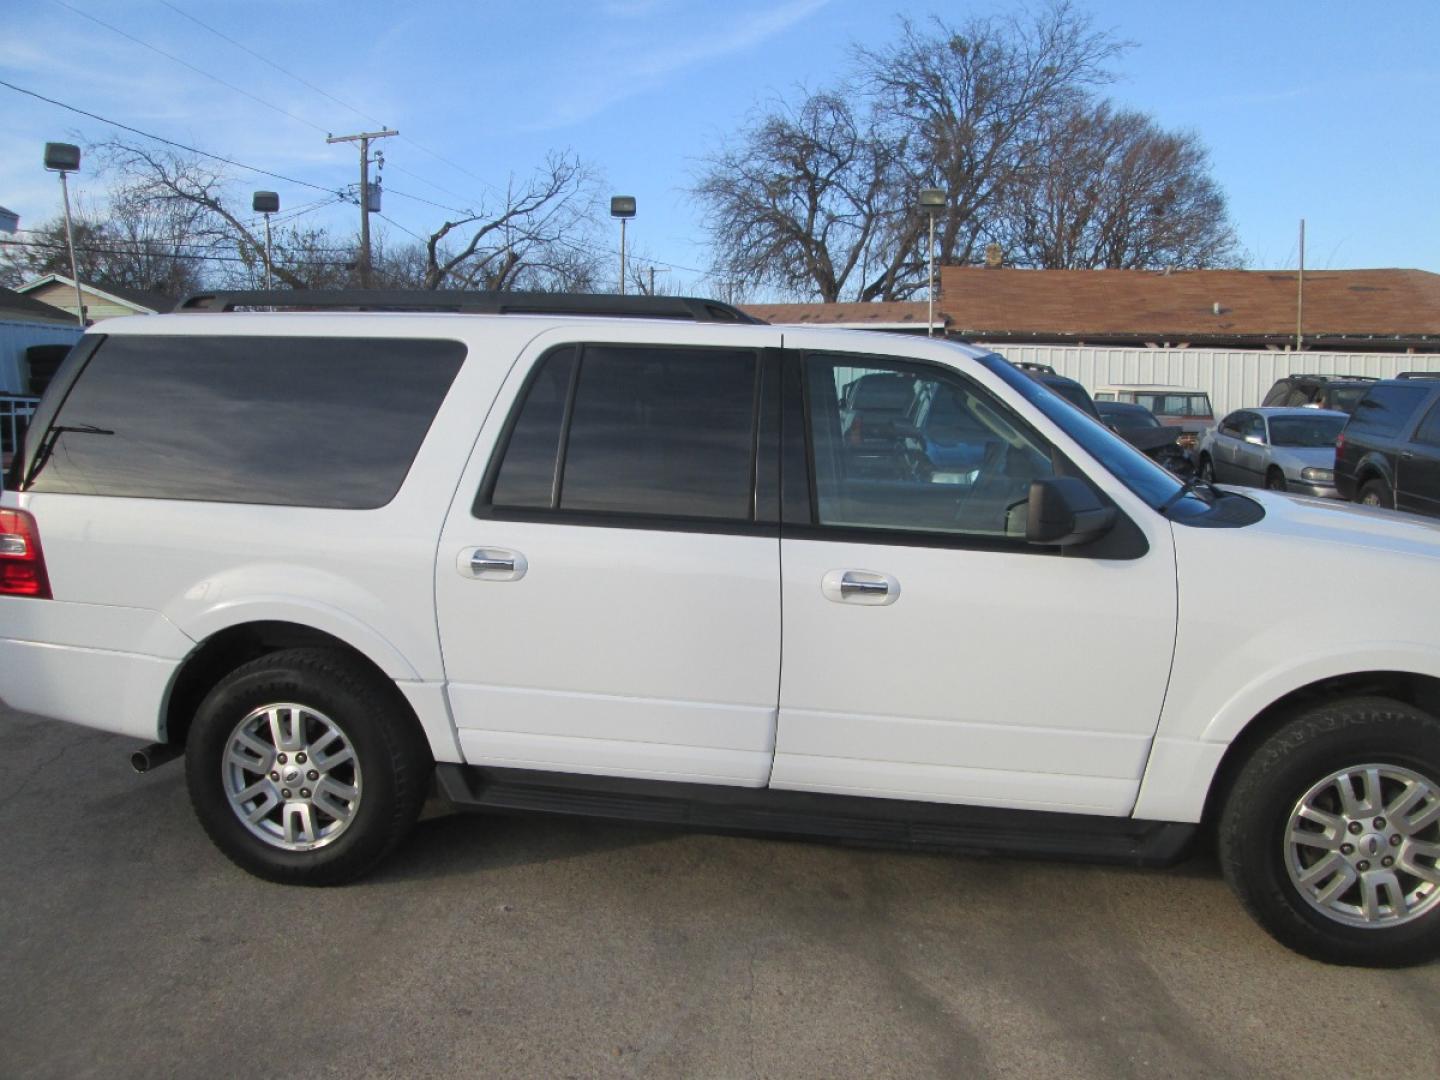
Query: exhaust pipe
x=154 y=755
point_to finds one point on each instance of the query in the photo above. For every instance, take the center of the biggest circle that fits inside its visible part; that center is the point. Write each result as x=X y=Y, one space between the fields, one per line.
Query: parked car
x=620 y=557
x=1281 y=449
x=1389 y=453
x=1072 y=391
x=1182 y=407
x=1139 y=427
x=1340 y=392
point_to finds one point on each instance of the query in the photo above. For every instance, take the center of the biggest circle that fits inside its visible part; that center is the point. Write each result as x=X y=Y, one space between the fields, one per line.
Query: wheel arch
x=1413 y=688
x=227 y=649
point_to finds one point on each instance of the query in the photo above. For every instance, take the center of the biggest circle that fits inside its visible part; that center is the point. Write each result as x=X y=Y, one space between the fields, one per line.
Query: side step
x=891 y=823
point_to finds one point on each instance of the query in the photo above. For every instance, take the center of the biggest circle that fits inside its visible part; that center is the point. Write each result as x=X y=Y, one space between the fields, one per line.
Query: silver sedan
x=1281 y=449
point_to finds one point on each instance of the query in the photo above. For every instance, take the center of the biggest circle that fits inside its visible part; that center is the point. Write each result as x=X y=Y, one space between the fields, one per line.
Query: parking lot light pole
x=931 y=199
x=622 y=207
x=267 y=203
x=65 y=158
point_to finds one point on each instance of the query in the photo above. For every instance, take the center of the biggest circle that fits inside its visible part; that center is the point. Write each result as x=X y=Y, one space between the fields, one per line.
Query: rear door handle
x=491 y=564
x=865 y=587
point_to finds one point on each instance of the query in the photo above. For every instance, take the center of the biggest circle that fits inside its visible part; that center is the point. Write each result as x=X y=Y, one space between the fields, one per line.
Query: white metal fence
x=1234 y=378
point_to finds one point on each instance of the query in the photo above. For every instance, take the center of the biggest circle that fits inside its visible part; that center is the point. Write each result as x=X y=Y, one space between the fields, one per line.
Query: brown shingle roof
x=1253 y=303
x=855 y=314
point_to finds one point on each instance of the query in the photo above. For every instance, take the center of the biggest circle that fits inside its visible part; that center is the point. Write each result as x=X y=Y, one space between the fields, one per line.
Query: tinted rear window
x=323 y=422
x=1387 y=409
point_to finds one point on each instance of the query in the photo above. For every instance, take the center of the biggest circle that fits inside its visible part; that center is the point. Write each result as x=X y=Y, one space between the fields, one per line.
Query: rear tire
x=302 y=768
x=1343 y=878
x=1275 y=480
x=1376 y=492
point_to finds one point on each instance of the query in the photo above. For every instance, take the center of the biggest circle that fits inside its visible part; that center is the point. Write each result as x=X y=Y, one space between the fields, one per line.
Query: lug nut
x=285 y=792
x=1363 y=865
x=1387 y=861
x=312 y=775
x=1347 y=849
x=1355 y=826
x=1395 y=840
x=1379 y=823
x=300 y=759
x=304 y=792
x=282 y=759
x=275 y=776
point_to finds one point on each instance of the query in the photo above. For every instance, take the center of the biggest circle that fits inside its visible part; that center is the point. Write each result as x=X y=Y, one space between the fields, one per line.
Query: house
x=100 y=303
x=33 y=339
x=1341 y=311
x=1392 y=311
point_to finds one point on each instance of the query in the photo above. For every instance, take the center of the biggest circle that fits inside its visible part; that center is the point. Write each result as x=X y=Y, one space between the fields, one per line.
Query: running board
x=891 y=823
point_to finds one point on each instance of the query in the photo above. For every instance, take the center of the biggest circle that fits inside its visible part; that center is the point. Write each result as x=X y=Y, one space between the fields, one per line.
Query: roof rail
x=473 y=303
x=1418 y=375
x=1034 y=365
x=1330 y=378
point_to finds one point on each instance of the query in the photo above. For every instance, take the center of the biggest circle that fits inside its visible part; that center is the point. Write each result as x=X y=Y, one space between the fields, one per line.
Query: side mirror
x=1064 y=511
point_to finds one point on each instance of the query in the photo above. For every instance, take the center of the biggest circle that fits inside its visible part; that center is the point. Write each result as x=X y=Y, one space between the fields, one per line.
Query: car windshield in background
x=1305 y=431
x=1073 y=393
x=1175 y=404
x=1136 y=419
x=1346 y=398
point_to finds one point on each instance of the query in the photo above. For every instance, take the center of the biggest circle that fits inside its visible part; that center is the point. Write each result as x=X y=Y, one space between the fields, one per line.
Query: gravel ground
x=552 y=947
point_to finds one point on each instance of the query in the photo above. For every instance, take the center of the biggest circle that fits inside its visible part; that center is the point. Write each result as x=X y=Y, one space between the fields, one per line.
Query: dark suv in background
x=1340 y=392
x=1389 y=453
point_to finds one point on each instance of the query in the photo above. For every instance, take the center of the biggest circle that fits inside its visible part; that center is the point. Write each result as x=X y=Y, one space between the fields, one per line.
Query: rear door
x=608 y=592
x=1419 y=468
x=929 y=651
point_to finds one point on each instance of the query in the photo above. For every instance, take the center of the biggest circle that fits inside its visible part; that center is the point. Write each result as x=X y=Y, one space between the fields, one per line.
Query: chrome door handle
x=867 y=588
x=491 y=564
x=479 y=564
x=851 y=586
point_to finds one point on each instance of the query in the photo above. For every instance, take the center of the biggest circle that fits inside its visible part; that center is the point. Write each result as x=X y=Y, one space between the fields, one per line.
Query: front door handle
x=864 y=587
x=491 y=564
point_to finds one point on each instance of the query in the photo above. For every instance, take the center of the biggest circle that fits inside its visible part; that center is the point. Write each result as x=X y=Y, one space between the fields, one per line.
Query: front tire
x=1206 y=471
x=1330 y=834
x=1275 y=480
x=303 y=770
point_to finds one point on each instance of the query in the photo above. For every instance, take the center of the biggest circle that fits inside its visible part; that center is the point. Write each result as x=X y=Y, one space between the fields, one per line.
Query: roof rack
x=1418 y=375
x=1332 y=378
x=472 y=303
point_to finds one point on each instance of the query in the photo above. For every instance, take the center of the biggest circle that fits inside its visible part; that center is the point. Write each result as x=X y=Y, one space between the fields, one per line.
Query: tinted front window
x=301 y=421
x=1387 y=409
x=1429 y=430
x=666 y=432
x=1305 y=431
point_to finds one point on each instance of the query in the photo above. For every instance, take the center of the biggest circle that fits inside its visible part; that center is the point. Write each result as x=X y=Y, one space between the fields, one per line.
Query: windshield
x=1175 y=404
x=1132 y=468
x=1305 y=431
x=1345 y=398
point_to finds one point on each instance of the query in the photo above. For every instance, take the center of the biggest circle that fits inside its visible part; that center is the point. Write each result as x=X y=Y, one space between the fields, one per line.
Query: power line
x=172 y=142
x=185 y=63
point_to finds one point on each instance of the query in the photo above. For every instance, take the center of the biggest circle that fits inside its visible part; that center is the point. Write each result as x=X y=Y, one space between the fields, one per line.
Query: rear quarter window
x=1387 y=409
x=295 y=421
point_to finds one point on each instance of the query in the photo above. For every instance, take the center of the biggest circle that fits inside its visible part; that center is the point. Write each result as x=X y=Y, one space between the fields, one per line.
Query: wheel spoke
x=1424 y=871
x=1322 y=869
x=264 y=752
x=1421 y=821
x=1370 y=896
x=1333 y=823
x=262 y=808
x=326 y=763
x=287 y=727
x=299 y=823
x=1328 y=841
x=1345 y=785
x=1411 y=796
x=1338 y=884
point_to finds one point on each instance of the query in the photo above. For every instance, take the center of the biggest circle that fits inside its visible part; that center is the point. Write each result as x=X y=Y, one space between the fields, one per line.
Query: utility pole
x=363 y=138
x=1300 y=295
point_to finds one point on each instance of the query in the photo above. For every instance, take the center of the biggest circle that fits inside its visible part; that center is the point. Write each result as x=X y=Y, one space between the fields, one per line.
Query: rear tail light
x=22 y=563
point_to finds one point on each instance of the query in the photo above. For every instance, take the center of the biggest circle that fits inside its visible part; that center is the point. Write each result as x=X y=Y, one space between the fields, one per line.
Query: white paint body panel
x=628 y=652
x=990 y=679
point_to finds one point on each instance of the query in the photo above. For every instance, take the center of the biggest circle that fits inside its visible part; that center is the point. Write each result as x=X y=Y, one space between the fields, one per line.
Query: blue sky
x=1322 y=110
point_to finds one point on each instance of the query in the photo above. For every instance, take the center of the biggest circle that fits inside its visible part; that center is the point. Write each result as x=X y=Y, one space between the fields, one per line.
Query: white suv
x=679 y=568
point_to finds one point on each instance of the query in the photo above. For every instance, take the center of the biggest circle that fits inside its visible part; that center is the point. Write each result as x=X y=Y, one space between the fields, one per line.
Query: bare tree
x=978 y=100
x=1112 y=190
x=530 y=235
x=819 y=199
x=802 y=201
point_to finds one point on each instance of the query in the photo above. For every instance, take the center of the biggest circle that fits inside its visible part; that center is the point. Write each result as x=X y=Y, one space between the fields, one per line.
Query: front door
x=608 y=603
x=929 y=651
